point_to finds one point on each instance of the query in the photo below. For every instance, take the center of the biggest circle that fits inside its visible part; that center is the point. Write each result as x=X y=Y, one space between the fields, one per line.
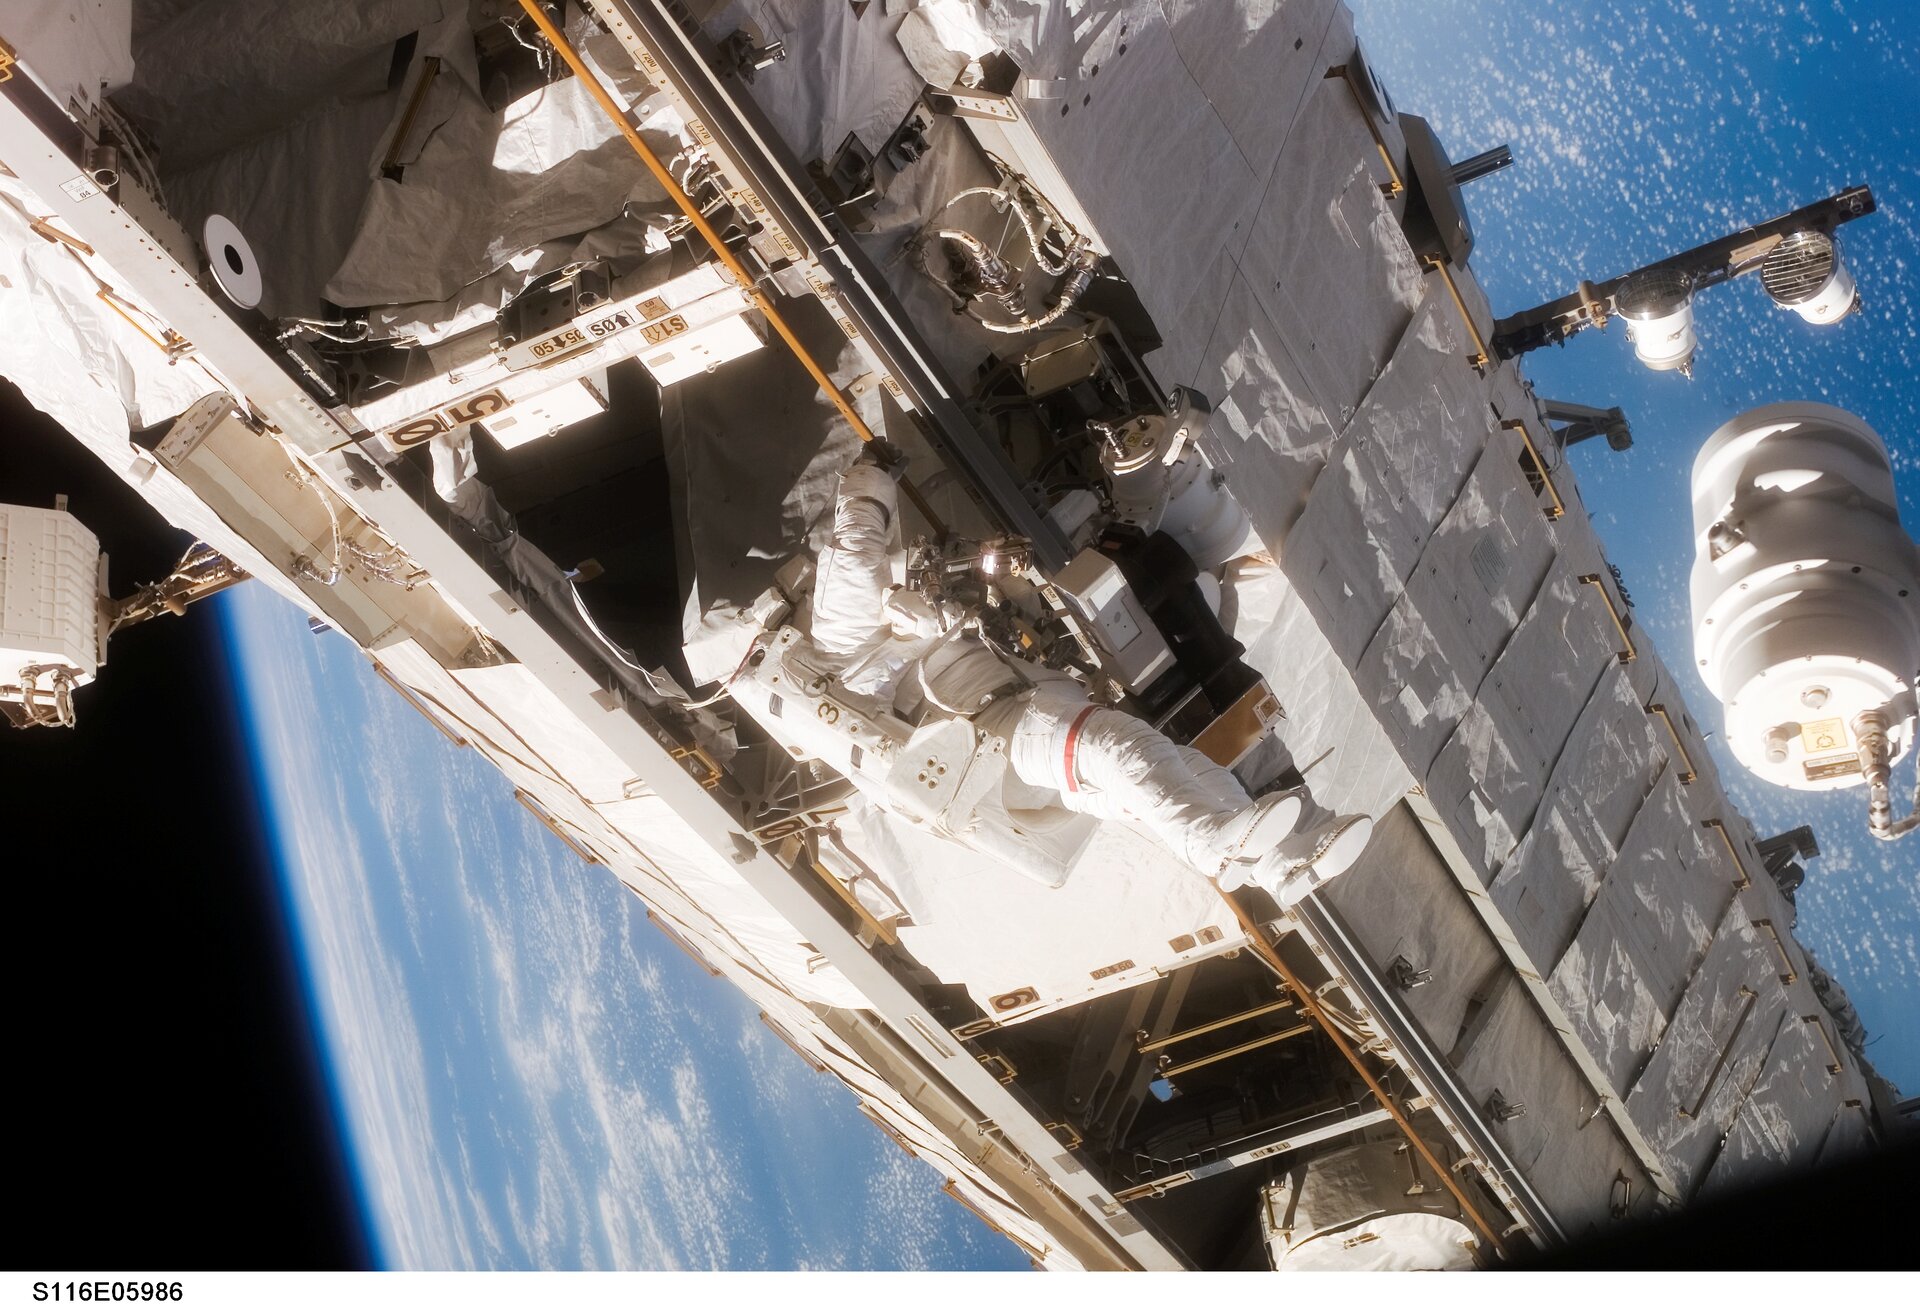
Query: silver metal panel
x=1314 y=256
x=1267 y=419
x=1694 y=1083
x=1785 y=1114
x=1256 y=65
x=1348 y=554
x=1425 y=418
x=1647 y=930
x=1487 y=561
x=1441 y=934
x=1486 y=780
x=1411 y=683
x=1602 y=777
x=1547 y=673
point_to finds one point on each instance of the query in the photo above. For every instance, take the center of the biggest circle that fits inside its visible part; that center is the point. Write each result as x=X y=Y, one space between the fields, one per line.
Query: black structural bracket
x=1704 y=265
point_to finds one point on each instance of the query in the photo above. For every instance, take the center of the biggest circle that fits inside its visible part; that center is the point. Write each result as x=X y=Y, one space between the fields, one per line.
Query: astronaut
x=892 y=645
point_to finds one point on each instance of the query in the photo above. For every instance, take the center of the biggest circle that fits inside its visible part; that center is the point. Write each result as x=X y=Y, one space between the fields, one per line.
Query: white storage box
x=50 y=583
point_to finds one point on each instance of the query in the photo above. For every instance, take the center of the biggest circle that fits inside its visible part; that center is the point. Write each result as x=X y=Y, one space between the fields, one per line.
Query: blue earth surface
x=529 y=1075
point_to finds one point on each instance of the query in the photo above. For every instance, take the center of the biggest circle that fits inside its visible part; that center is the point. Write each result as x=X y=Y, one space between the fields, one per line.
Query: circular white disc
x=234 y=266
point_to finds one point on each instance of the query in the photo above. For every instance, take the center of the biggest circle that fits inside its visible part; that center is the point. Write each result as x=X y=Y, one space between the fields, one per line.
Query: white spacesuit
x=891 y=645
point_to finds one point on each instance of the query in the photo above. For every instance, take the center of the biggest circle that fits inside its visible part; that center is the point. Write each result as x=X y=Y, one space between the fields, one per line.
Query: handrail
x=407 y=692
x=1387 y=188
x=1833 y=1065
x=680 y=941
x=1481 y=358
x=845 y=894
x=748 y=285
x=552 y=823
x=1687 y=773
x=1787 y=974
x=1745 y=880
x=952 y=1190
x=1559 y=509
x=1181 y=1036
x=1170 y=1072
x=703 y=768
x=1628 y=654
x=781 y=1033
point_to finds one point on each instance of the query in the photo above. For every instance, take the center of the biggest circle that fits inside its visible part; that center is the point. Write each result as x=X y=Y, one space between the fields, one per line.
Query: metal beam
x=1258 y=1153
x=1715 y=261
x=771 y=183
x=1468 y=878
x=1426 y=1064
x=1584 y=423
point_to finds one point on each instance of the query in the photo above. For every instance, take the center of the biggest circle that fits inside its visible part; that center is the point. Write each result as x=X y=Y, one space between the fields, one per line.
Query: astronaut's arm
x=855 y=570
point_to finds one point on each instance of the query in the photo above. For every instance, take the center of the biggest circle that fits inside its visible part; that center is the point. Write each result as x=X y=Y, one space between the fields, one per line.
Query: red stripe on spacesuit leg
x=1073 y=742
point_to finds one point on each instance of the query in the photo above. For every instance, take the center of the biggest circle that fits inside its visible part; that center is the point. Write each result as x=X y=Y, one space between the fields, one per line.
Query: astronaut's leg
x=1319 y=853
x=1110 y=764
x=1214 y=778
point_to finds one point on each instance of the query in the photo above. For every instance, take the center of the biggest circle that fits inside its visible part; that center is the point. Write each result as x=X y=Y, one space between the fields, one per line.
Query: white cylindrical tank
x=1806 y=274
x=1658 y=308
x=1159 y=481
x=1806 y=591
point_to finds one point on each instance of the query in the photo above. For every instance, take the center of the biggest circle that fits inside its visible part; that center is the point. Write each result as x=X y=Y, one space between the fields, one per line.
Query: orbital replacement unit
x=1806 y=600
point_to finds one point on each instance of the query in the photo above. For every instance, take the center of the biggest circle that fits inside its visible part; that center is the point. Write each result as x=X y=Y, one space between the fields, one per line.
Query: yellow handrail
x=407 y=692
x=1180 y=1036
x=1388 y=188
x=1170 y=1072
x=618 y=116
x=1628 y=654
x=1833 y=1054
x=552 y=823
x=1479 y=358
x=1787 y=974
x=842 y=891
x=952 y=1190
x=1745 y=880
x=1687 y=773
x=1559 y=508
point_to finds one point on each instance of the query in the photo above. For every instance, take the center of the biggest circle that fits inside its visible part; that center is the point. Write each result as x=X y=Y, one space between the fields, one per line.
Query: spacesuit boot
x=1220 y=843
x=1336 y=846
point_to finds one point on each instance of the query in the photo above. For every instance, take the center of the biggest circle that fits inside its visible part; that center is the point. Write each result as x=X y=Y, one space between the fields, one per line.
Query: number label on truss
x=666 y=329
x=475 y=408
x=569 y=339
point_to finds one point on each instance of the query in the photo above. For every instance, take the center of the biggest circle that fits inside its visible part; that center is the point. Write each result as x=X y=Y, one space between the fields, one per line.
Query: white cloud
x=532 y=1077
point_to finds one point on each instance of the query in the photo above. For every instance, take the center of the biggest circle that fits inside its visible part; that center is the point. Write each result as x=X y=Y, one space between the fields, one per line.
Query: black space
x=169 y=1099
x=1858 y=1214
